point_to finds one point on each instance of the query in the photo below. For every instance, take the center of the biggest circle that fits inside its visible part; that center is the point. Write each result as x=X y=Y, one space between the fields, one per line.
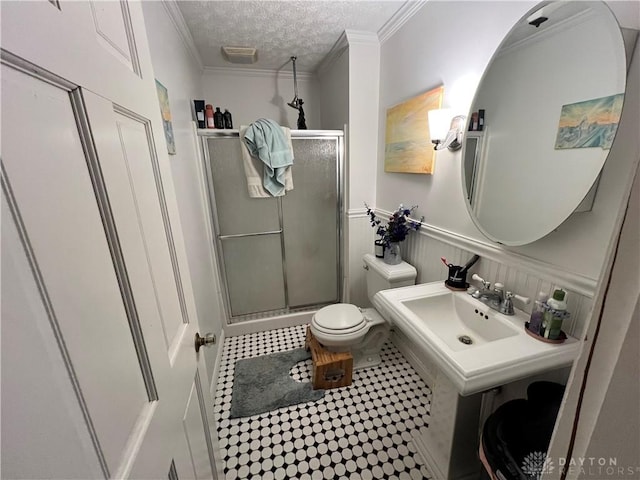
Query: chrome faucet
x=486 y=294
x=496 y=299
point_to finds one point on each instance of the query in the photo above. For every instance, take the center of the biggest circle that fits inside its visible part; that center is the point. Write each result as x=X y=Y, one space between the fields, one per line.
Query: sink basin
x=458 y=322
x=476 y=347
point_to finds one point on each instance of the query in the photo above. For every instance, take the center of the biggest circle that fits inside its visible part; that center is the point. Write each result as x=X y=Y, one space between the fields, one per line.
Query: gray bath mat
x=262 y=384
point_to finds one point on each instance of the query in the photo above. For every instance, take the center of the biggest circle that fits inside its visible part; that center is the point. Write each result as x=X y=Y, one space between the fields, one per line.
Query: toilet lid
x=340 y=316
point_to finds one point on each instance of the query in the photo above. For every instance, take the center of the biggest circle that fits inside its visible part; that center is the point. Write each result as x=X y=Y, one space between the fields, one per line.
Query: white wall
x=180 y=73
x=333 y=84
x=253 y=94
x=449 y=43
x=364 y=72
x=617 y=432
x=349 y=87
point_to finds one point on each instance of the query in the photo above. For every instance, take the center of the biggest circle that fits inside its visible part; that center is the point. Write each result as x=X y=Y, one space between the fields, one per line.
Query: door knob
x=208 y=339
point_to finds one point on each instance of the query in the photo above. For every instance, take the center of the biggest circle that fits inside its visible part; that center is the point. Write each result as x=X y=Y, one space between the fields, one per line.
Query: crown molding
x=347 y=38
x=404 y=13
x=358 y=37
x=259 y=72
x=171 y=6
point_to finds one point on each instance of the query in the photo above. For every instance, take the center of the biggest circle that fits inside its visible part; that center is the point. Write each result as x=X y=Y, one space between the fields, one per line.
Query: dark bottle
x=218 y=119
x=228 y=121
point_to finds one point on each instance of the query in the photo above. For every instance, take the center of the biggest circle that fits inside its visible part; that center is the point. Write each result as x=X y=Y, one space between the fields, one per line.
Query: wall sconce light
x=445 y=129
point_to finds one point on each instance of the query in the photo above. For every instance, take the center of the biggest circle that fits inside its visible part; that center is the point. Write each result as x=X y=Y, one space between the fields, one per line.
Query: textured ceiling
x=279 y=29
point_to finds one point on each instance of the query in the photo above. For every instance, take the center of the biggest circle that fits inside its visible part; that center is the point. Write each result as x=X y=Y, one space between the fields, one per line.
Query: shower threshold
x=275 y=313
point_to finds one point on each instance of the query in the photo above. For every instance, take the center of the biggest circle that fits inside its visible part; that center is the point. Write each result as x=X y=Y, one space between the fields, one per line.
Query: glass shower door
x=278 y=254
x=248 y=232
x=310 y=224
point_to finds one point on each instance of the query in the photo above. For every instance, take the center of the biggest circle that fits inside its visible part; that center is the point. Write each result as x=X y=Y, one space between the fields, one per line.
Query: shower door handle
x=208 y=339
x=243 y=235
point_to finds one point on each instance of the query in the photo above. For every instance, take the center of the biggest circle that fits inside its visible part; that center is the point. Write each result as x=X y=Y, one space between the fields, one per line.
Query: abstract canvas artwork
x=163 y=98
x=408 y=148
x=592 y=123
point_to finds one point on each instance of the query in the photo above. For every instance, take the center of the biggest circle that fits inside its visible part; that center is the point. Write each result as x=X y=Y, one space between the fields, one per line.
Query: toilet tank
x=382 y=276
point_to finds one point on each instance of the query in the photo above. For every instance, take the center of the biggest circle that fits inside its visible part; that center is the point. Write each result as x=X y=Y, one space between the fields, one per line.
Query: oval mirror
x=543 y=120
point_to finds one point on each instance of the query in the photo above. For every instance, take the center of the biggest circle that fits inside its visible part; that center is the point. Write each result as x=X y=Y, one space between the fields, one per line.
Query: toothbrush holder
x=457 y=277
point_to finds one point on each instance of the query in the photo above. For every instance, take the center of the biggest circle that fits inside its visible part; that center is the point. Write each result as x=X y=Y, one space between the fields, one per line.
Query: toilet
x=343 y=327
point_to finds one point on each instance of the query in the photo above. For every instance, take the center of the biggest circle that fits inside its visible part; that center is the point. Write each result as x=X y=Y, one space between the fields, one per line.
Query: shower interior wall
x=251 y=94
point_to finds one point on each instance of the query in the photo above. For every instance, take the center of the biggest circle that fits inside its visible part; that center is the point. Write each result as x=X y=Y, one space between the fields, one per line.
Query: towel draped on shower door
x=267 y=155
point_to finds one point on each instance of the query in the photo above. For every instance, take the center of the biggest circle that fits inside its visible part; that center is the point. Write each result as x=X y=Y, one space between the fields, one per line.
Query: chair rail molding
x=581 y=284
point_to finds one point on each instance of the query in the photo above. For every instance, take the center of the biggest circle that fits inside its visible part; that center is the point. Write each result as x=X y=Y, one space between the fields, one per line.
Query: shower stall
x=277 y=255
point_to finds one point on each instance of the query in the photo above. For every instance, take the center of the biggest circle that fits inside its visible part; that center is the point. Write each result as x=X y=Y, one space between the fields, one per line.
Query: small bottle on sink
x=555 y=314
x=537 y=313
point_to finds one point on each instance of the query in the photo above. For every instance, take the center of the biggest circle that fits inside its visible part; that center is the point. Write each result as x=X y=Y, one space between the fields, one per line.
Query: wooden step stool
x=330 y=369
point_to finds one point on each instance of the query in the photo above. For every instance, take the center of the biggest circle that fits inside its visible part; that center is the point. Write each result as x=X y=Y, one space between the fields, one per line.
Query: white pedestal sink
x=474 y=349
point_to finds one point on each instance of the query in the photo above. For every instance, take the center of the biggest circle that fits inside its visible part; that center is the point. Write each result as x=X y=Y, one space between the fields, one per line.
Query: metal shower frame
x=210 y=193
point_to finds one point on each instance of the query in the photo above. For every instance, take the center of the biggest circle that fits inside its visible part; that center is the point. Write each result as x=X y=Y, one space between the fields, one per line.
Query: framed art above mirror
x=551 y=96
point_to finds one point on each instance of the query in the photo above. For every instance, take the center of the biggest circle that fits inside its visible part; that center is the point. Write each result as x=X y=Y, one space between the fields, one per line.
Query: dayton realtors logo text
x=597 y=467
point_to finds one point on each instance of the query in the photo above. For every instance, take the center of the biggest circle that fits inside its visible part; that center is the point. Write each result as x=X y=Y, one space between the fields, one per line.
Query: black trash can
x=515 y=437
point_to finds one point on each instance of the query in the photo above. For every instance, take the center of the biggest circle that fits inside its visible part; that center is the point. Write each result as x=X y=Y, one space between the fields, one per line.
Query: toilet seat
x=331 y=331
x=339 y=318
x=339 y=326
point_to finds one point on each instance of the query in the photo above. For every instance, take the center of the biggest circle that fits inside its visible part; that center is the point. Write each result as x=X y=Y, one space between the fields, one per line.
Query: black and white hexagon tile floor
x=361 y=432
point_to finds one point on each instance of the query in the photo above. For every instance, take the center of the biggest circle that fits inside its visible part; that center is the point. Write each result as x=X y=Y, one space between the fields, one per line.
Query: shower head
x=296 y=103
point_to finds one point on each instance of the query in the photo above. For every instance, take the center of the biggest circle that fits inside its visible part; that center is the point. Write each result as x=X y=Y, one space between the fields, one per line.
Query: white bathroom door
x=100 y=378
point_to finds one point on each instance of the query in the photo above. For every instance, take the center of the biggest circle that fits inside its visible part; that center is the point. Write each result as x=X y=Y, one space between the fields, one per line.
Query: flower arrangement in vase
x=395 y=231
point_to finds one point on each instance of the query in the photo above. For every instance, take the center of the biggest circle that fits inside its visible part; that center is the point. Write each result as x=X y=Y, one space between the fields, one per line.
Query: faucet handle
x=520 y=298
x=478 y=278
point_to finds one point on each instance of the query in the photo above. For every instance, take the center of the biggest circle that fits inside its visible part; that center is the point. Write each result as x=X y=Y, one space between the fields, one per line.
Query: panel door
x=99 y=282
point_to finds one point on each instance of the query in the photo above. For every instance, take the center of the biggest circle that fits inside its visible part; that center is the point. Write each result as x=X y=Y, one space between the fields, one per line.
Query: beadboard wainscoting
x=520 y=274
